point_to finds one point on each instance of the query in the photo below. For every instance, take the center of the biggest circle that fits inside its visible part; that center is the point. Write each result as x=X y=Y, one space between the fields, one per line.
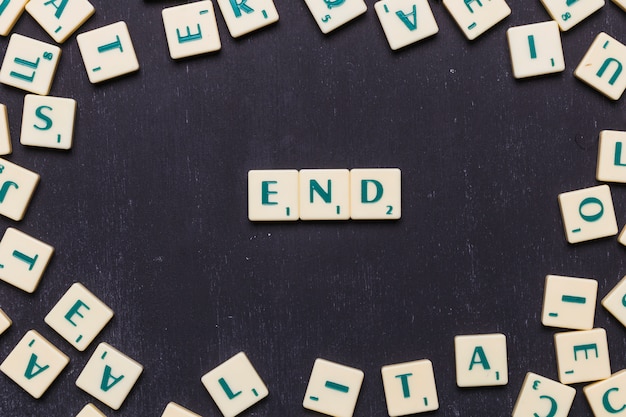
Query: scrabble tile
x=5 y=322
x=615 y=301
x=48 y=122
x=10 y=12
x=375 y=194
x=582 y=356
x=410 y=388
x=60 y=18
x=235 y=385
x=475 y=17
x=109 y=375
x=245 y=16
x=79 y=316
x=23 y=259
x=606 y=398
x=541 y=396
x=175 y=410
x=621 y=4
x=588 y=214
x=406 y=21
x=602 y=67
x=29 y=64
x=611 y=156
x=191 y=29
x=535 y=49
x=481 y=360
x=621 y=238
x=17 y=187
x=5 y=134
x=107 y=52
x=273 y=195
x=324 y=194
x=90 y=410
x=333 y=389
x=571 y=12
x=569 y=303
x=331 y=14
x=34 y=364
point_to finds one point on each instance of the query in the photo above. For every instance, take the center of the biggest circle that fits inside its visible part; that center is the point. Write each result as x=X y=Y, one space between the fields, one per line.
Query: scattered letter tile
x=569 y=13
x=79 y=316
x=23 y=259
x=481 y=360
x=333 y=389
x=60 y=18
x=543 y=396
x=375 y=194
x=535 y=49
x=29 y=64
x=611 y=156
x=48 y=121
x=5 y=322
x=615 y=301
x=235 y=385
x=10 y=12
x=17 y=186
x=606 y=398
x=602 y=67
x=107 y=52
x=475 y=17
x=90 y=410
x=245 y=16
x=582 y=356
x=175 y=410
x=191 y=29
x=34 y=364
x=569 y=303
x=273 y=195
x=621 y=4
x=109 y=376
x=331 y=14
x=406 y=21
x=410 y=388
x=588 y=214
x=324 y=194
x=5 y=134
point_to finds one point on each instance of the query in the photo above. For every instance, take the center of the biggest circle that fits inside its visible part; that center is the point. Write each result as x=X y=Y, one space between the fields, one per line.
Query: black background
x=149 y=208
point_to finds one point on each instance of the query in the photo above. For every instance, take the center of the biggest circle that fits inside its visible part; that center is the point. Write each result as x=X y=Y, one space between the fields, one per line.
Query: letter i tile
x=481 y=360
x=602 y=67
x=582 y=356
x=608 y=397
x=235 y=385
x=10 y=12
x=410 y=388
x=191 y=29
x=34 y=364
x=588 y=214
x=5 y=322
x=107 y=52
x=535 y=49
x=540 y=395
x=5 y=134
x=23 y=259
x=60 y=18
x=175 y=410
x=245 y=16
x=109 y=375
x=79 y=316
x=569 y=302
x=333 y=389
x=29 y=64
x=331 y=14
x=90 y=410
x=48 y=121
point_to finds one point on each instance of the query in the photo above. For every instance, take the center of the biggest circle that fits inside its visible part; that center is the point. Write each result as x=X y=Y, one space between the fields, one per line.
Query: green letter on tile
x=482 y=358
x=265 y=193
x=74 y=311
x=379 y=191
x=607 y=404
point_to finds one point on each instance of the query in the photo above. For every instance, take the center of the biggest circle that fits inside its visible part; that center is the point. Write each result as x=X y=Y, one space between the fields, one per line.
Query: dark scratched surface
x=149 y=208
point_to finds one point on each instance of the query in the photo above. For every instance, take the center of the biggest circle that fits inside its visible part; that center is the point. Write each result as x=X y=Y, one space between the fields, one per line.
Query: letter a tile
x=481 y=360
x=406 y=21
x=34 y=364
x=109 y=375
